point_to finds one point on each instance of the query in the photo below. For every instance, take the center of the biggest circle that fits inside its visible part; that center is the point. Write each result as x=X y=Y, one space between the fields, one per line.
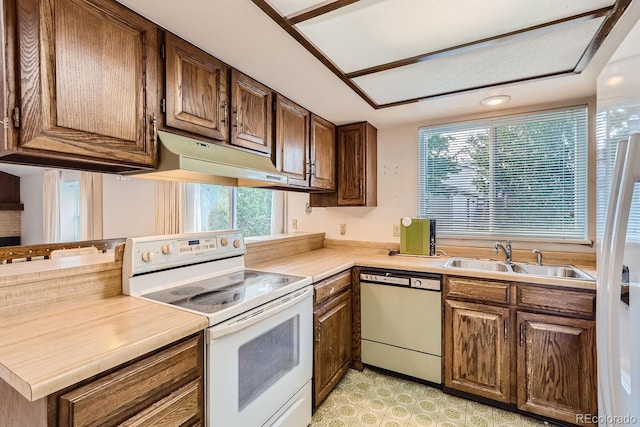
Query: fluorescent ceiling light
x=495 y=100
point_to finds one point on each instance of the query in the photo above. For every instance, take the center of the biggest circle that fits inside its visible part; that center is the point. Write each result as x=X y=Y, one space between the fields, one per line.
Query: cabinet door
x=3 y=83
x=292 y=141
x=332 y=351
x=556 y=366
x=476 y=349
x=251 y=114
x=351 y=161
x=196 y=90
x=88 y=73
x=323 y=154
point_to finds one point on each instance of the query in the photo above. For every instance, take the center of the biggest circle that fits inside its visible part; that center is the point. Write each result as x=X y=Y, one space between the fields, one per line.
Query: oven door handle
x=256 y=315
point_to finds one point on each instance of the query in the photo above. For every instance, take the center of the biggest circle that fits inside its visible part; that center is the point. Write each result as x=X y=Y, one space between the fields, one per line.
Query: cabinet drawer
x=332 y=286
x=127 y=391
x=476 y=289
x=563 y=301
x=176 y=409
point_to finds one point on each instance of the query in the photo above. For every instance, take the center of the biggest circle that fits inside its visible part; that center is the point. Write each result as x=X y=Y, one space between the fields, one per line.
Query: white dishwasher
x=401 y=315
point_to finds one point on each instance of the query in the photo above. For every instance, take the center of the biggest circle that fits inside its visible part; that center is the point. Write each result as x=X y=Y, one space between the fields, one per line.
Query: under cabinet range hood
x=190 y=160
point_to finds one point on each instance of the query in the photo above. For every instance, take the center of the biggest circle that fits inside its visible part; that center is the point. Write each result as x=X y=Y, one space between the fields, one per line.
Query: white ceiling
x=240 y=34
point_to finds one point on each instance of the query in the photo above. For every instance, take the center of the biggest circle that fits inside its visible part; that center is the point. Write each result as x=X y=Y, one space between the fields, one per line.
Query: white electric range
x=259 y=342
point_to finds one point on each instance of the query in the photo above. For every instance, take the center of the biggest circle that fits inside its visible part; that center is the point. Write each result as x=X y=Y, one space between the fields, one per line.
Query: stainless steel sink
x=561 y=271
x=478 y=264
x=548 y=270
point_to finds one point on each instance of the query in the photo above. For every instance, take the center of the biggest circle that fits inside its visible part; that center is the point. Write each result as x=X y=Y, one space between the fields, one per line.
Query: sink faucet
x=538 y=255
x=506 y=250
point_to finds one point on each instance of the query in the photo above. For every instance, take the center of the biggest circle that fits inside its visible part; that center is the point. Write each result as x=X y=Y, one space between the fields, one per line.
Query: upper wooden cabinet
x=195 y=90
x=86 y=84
x=323 y=154
x=357 y=164
x=292 y=141
x=356 y=170
x=251 y=108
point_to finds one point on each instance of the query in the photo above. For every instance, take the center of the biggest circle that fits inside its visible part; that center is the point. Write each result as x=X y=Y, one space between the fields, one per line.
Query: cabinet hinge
x=163 y=105
x=16 y=117
x=162 y=51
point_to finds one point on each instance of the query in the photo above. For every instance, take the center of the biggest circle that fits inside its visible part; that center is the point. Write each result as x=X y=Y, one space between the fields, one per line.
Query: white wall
x=397 y=194
x=129 y=207
x=32 y=218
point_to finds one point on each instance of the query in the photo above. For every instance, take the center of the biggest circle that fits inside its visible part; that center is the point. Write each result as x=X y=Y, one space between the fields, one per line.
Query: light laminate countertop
x=322 y=263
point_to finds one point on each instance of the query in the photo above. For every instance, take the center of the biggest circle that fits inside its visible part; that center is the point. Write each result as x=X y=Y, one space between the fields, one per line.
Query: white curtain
x=51 y=205
x=170 y=207
x=193 y=222
x=277 y=212
x=90 y=206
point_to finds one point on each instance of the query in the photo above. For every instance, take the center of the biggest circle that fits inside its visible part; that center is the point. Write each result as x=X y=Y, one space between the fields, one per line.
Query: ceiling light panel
x=534 y=54
x=374 y=32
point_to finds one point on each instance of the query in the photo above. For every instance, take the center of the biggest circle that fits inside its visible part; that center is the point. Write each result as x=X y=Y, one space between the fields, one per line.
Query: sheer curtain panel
x=170 y=207
x=51 y=205
x=90 y=206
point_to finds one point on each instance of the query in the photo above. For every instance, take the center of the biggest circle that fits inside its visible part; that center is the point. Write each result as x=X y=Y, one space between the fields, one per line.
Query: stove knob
x=224 y=241
x=167 y=249
x=147 y=256
x=236 y=243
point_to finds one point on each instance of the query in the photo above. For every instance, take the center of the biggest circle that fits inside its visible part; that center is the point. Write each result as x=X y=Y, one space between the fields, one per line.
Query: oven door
x=258 y=361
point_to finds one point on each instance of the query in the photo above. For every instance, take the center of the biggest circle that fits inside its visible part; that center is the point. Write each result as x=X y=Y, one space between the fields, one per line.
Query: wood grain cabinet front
x=556 y=376
x=86 y=78
x=530 y=346
x=356 y=170
x=323 y=154
x=196 y=90
x=292 y=141
x=476 y=349
x=164 y=388
x=332 y=319
x=251 y=114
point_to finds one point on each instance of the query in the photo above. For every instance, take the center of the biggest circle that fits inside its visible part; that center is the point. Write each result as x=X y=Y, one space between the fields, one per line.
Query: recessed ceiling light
x=495 y=100
x=614 y=80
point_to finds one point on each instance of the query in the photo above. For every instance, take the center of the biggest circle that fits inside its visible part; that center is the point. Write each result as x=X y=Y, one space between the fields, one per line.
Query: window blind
x=521 y=176
x=612 y=126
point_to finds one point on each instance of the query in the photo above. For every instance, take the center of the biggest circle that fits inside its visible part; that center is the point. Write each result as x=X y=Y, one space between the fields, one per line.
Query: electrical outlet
x=294 y=224
x=343 y=229
x=396 y=230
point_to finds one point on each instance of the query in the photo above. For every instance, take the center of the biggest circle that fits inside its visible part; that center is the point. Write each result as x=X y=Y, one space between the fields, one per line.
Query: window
x=214 y=207
x=521 y=176
x=613 y=126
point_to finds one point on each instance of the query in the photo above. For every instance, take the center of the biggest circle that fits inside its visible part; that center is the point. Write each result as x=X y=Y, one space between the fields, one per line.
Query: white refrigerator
x=618 y=304
x=618 y=205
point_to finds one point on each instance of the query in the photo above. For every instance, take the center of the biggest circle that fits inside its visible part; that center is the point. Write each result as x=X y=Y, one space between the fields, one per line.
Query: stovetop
x=218 y=293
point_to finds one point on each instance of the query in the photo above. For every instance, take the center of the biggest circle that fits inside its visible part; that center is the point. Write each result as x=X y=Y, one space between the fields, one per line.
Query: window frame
x=579 y=245
x=232 y=219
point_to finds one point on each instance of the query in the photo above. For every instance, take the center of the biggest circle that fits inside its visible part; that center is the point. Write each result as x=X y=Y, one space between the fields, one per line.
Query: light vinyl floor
x=369 y=398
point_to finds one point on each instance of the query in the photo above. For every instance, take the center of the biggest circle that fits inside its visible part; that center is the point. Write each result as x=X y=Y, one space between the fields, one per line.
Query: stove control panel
x=155 y=253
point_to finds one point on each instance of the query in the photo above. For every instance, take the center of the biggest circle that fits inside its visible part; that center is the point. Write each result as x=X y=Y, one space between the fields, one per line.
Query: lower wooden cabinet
x=332 y=334
x=529 y=346
x=555 y=366
x=476 y=349
x=165 y=388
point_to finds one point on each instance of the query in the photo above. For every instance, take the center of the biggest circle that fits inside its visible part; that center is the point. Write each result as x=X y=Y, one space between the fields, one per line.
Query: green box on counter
x=418 y=236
